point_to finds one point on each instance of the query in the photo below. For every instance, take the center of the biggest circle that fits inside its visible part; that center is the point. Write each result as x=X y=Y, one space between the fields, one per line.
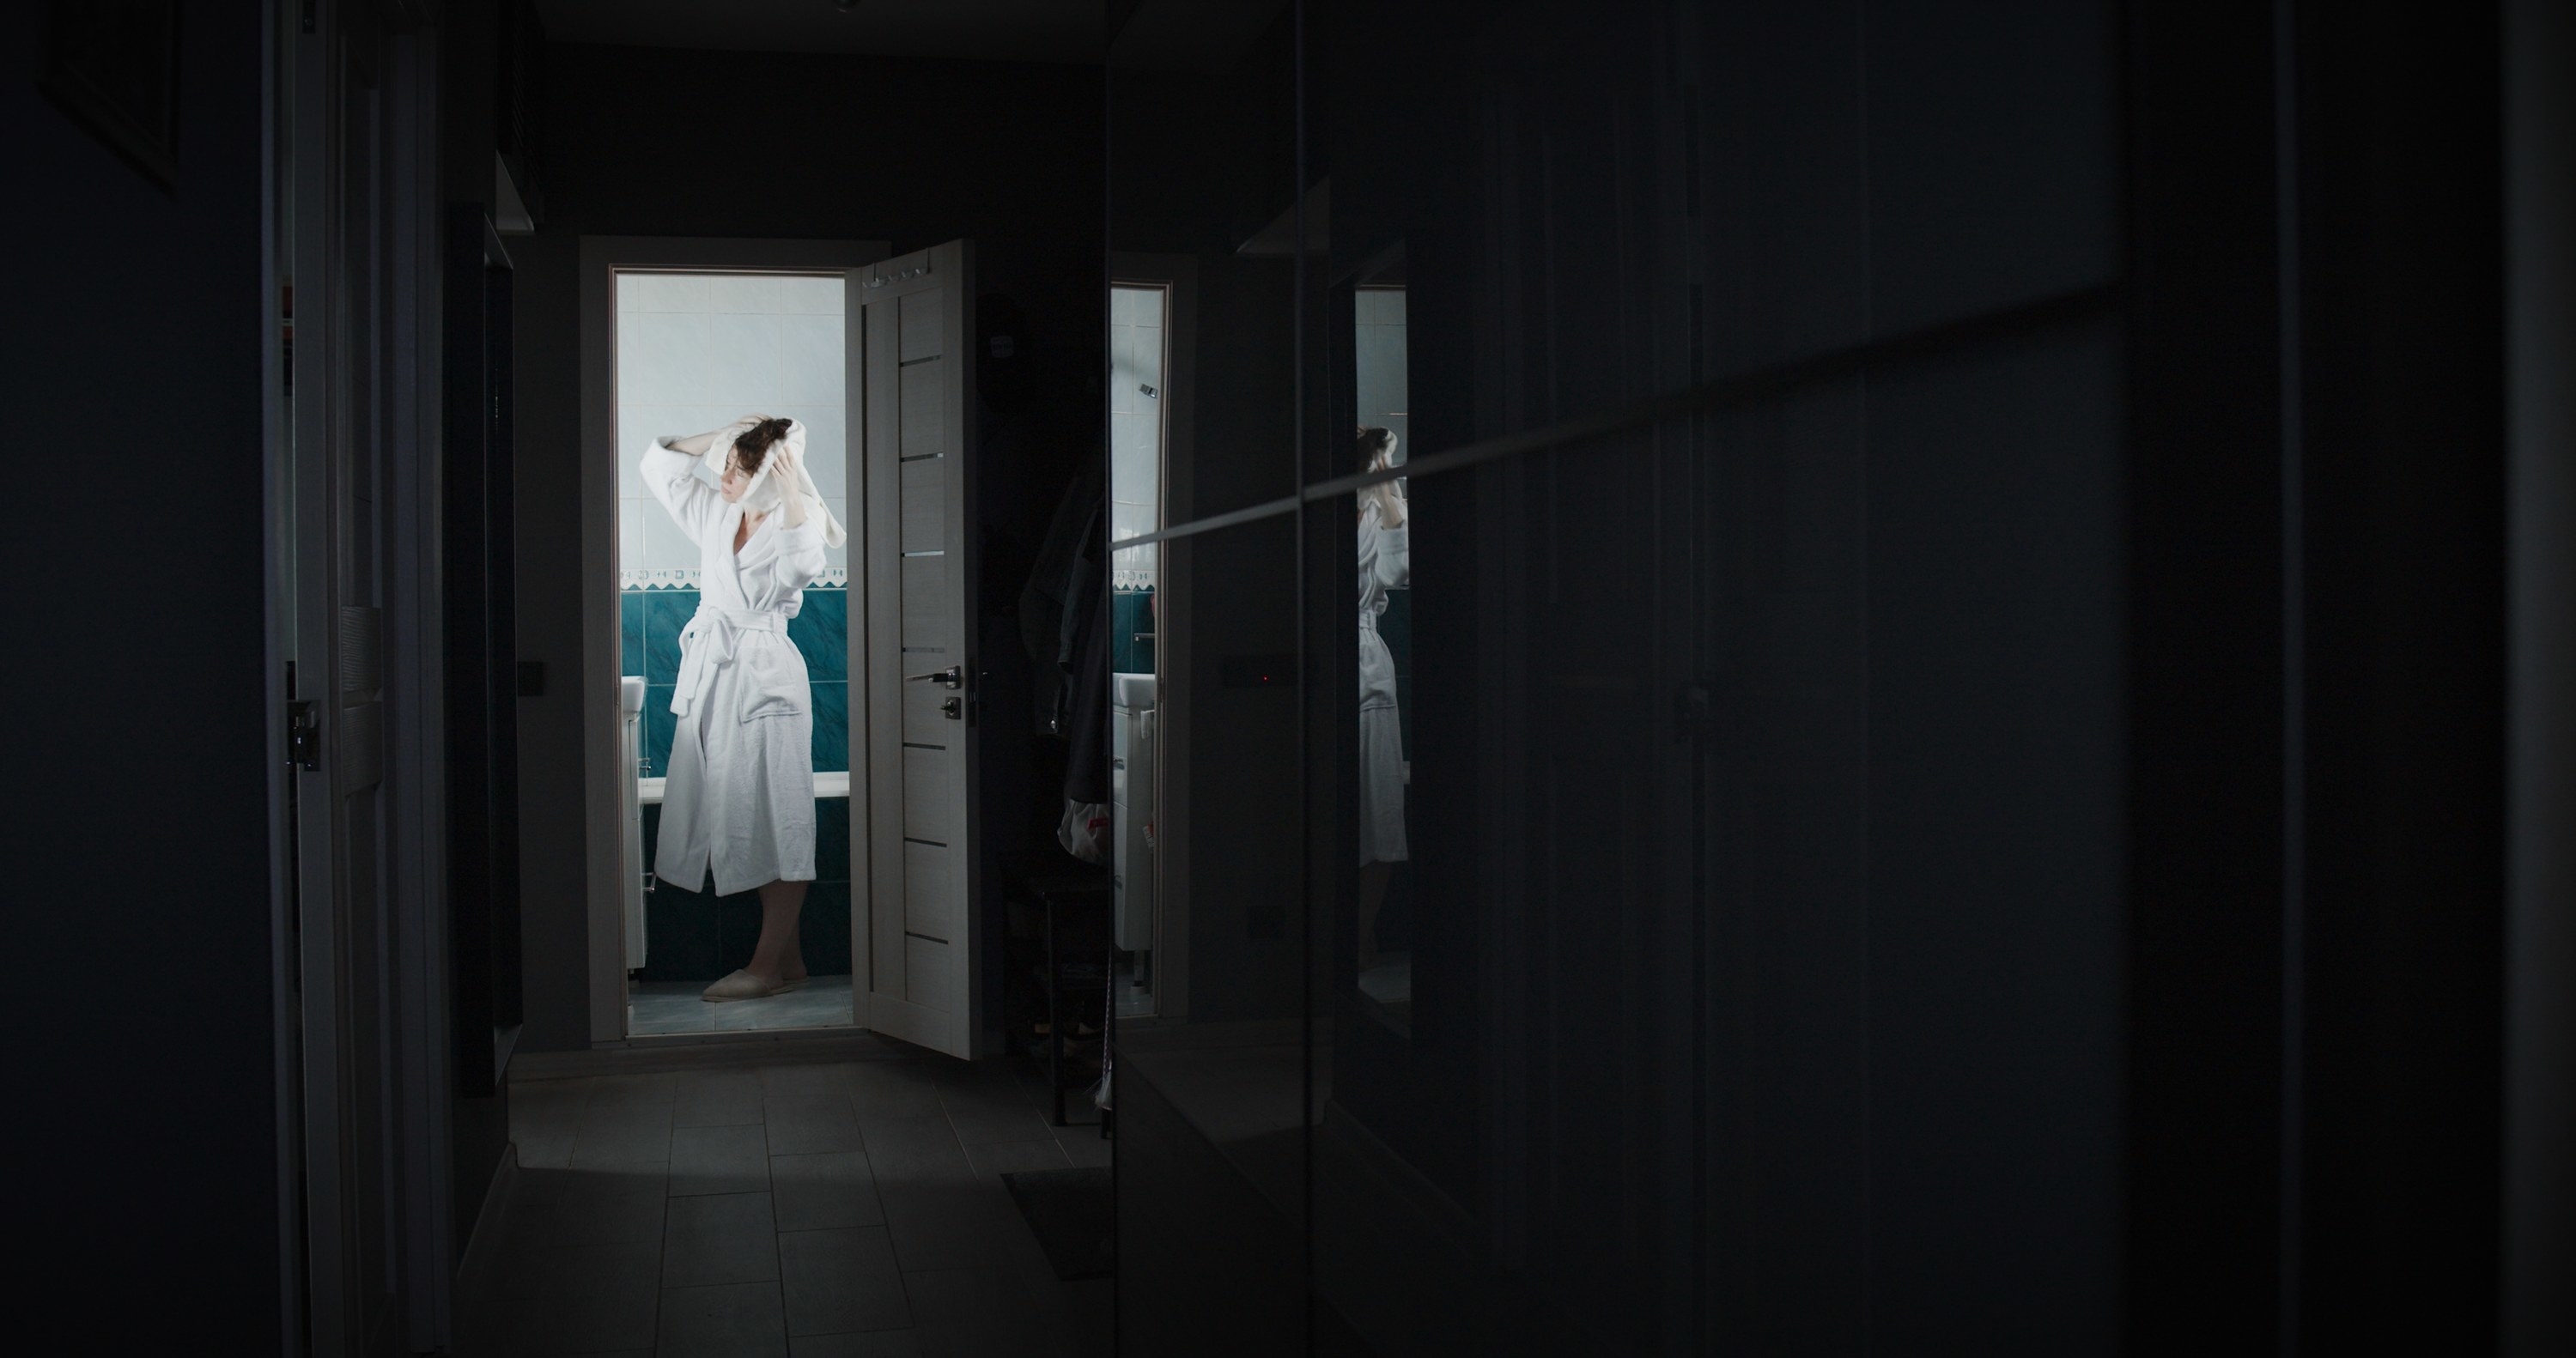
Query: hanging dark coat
x=1086 y=708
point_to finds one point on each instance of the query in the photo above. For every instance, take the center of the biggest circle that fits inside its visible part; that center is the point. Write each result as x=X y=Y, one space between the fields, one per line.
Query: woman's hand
x=699 y=445
x=790 y=479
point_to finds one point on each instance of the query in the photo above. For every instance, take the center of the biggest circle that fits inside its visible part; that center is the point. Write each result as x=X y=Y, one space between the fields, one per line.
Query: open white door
x=918 y=934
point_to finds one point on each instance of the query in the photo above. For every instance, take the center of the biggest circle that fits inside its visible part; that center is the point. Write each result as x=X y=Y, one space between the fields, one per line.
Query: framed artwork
x=113 y=66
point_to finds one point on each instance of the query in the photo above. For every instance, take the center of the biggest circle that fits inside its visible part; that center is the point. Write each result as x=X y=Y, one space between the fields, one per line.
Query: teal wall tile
x=824 y=928
x=658 y=725
x=821 y=631
x=1131 y=640
x=737 y=931
x=832 y=838
x=666 y=614
x=697 y=937
x=630 y=631
x=831 y=727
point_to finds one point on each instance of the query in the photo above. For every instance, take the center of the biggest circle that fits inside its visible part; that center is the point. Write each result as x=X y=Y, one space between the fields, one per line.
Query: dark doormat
x=1074 y=1216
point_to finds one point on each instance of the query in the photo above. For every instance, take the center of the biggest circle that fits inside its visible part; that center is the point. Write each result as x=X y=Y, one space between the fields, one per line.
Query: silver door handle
x=953 y=677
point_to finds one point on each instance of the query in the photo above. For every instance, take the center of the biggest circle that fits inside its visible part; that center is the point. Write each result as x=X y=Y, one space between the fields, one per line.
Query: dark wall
x=1884 y=877
x=2317 y=528
x=2402 y=393
x=468 y=39
x=2539 y=1178
x=139 y=773
x=652 y=142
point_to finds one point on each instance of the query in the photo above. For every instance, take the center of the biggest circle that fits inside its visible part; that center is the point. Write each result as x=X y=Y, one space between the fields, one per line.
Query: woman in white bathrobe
x=739 y=804
x=1386 y=563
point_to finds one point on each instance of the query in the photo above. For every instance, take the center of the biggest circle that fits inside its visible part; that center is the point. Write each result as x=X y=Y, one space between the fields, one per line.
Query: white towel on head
x=765 y=496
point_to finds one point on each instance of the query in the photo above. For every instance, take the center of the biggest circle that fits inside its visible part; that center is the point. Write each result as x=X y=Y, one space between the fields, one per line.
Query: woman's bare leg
x=779 y=955
x=796 y=938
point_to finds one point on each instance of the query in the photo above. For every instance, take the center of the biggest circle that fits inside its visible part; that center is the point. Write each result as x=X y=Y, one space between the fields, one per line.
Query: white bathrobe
x=740 y=799
x=1386 y=562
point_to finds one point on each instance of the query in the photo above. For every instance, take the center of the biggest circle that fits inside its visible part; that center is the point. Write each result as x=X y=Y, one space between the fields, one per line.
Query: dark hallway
x=1296 y=677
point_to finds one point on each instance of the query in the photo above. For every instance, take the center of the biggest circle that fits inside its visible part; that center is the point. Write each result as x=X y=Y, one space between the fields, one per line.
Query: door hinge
x=304 y=735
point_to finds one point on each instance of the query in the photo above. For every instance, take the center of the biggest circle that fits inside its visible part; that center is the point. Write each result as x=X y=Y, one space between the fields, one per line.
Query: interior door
x=912 y=322
x=338 y=441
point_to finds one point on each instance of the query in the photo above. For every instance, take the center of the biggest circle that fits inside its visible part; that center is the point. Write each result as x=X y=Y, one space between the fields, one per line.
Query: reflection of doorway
x=1139 y=337
x=1381 y=395
x=1152 y=314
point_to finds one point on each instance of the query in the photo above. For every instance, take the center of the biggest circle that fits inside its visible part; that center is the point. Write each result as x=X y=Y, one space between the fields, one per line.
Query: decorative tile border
x=835 y=577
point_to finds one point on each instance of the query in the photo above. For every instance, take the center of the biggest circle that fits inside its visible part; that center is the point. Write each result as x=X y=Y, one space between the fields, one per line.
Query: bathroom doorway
x=695 y=349
x=682 y=337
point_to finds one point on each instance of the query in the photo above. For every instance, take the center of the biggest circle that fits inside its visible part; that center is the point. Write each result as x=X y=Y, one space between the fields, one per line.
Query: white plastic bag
x=1084 y=831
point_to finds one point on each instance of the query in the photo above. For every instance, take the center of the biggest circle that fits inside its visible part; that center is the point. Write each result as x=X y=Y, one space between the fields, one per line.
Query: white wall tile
x=1128 y=519
x=630 y=531
x=747 y=293
x=1122 y=370
x=653 y=358
x=694 y=358
x=810 y=366
x=1133 y=469
x=812 y=296
x=827 y=448
x=1149 y=363
x=697 y=292
x=739 y=358
x=633 y=428
x=1135 y=306
x=658 y=292
x=665 y=546
x=1378 y=357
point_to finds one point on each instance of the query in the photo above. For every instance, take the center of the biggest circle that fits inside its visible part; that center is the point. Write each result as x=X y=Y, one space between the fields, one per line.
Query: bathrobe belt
x=707 y=644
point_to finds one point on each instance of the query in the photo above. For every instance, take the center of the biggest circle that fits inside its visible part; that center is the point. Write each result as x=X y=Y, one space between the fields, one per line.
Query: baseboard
x=478 y=1273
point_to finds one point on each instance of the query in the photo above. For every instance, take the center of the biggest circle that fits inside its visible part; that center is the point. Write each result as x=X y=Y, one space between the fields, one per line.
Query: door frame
x=602 y=809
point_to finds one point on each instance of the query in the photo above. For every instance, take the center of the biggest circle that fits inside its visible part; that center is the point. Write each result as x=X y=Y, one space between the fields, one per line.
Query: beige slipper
x=785 y=986
x=741 y=985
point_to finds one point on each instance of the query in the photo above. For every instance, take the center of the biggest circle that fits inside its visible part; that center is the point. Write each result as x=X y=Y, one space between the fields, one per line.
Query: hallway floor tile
x=821 y=1209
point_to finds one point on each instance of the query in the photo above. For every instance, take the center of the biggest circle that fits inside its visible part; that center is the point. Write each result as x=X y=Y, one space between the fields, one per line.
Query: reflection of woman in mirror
x=1386 y=563
x=740 y=803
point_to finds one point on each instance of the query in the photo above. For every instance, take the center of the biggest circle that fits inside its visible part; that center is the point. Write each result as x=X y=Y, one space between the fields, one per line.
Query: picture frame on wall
x=112 y=66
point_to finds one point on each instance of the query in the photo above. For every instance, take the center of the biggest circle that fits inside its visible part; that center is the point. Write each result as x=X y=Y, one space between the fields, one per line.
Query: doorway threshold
x=673 y=1008
x=690 y=1051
